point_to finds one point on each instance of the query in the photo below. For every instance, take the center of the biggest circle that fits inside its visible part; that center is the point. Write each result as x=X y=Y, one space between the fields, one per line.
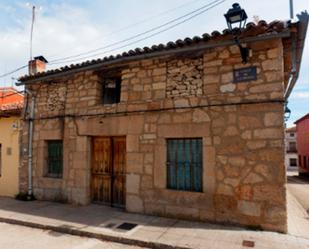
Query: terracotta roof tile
x=11 y=101
x=251 y=30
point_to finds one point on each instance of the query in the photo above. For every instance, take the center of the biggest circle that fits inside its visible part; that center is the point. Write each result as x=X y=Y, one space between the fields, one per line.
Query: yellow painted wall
x=9 y=138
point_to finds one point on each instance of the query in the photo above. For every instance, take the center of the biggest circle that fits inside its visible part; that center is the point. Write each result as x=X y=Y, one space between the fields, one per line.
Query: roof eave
x=197 y=47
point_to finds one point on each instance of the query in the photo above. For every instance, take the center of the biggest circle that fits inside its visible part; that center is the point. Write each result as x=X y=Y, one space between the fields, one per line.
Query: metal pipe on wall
x=30 y=144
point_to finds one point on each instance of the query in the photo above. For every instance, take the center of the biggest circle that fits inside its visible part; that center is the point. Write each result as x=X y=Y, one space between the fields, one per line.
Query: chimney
x=37 y=65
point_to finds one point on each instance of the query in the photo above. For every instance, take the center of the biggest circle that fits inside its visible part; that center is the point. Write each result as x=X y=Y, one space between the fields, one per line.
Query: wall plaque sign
x=244 y=74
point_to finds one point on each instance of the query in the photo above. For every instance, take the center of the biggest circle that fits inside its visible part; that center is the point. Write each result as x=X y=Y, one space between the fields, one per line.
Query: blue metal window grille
x=185 y=164
x=55 y=158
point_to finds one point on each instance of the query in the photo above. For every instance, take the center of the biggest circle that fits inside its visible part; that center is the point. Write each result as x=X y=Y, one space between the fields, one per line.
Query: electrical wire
x=153 y=17
x=143 y=111
x=133 y=37
x=67 y=59
x=200 y=11
x=146 y=20
x=14 y=71
x=144 y=38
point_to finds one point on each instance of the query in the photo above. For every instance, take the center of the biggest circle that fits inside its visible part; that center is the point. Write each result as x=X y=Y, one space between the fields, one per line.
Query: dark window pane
x=111 y=90
x=184 y=164
x=293 y=162
x=54 y=158
x=292 y=146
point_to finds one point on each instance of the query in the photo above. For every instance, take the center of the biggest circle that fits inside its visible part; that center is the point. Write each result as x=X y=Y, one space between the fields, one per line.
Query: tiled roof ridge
x=251 y=29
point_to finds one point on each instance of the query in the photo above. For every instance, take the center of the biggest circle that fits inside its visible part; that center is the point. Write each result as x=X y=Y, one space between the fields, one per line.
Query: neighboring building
x=291 y=148
x=302 y=126
x=176 y=130
x=11 y=104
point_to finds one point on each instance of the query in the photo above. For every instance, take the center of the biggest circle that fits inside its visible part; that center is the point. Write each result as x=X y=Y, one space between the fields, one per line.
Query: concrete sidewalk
x=298 y=218
x=153 y=232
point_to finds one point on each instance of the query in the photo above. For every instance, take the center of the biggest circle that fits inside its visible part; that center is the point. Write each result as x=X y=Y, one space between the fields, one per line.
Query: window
x=9 y=151
x=292 y=146
x=111 y=90
x=292 y=134
x=185 y=164
x=54 y=158
x=293 y=162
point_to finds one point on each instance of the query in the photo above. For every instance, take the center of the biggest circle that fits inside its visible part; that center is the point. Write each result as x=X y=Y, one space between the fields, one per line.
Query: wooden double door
x=109 y=170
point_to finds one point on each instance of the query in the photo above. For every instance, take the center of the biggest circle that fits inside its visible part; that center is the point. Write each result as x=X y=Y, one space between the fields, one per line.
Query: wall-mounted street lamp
x=287 y=112
x=236 y=17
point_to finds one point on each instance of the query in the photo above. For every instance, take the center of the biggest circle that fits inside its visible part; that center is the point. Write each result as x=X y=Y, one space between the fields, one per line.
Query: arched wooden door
x=108 y=170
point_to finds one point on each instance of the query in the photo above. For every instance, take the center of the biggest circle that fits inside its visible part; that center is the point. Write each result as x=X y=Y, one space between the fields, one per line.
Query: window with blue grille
x=54 y=158
x=185 y=164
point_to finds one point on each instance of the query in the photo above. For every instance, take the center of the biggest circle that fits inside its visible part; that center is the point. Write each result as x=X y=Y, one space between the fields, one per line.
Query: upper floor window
x=111 y=90
x=293 y=162
x=292 y=146
x=292 y=134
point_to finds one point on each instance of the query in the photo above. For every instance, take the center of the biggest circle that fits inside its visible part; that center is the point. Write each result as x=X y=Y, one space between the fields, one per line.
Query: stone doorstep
x=104 y=237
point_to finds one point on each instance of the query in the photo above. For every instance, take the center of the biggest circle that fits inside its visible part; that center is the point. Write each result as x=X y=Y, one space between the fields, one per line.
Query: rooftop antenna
x=31 y=32
x=291 y=10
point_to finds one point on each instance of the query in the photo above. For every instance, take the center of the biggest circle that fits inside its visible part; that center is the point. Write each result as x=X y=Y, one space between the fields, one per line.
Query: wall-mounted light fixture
x=236 y=17
x=287 y=112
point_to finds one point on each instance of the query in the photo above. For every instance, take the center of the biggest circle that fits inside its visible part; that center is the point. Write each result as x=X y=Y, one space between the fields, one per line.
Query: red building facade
x=302 y=127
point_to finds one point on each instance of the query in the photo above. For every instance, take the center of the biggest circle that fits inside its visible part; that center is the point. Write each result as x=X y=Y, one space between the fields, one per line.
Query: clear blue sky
x=66 y=27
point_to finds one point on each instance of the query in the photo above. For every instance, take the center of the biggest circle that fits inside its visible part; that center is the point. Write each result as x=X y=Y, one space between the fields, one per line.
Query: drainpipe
x=30 y=145
x=293 y=74
x=298 y=43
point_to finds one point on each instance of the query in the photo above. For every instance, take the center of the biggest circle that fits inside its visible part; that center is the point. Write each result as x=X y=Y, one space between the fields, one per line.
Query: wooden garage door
x=108 y=170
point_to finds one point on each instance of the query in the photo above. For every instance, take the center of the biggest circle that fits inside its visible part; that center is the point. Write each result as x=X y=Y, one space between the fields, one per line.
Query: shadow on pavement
x=296 y=179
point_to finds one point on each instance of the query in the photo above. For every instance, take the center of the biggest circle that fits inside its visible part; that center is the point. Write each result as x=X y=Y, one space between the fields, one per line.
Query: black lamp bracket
x=243 y=50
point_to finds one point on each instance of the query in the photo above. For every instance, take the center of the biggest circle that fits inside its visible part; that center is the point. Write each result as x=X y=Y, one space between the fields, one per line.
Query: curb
x=99 y=236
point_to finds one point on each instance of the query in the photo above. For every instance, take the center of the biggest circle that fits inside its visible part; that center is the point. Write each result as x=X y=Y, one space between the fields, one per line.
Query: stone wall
x=241 y=126
x=184 y=77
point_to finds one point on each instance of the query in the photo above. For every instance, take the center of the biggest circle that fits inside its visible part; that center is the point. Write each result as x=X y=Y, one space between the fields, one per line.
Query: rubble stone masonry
x=193 y=95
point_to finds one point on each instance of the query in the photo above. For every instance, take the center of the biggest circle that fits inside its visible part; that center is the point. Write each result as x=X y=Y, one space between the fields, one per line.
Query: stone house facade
x=181 y=138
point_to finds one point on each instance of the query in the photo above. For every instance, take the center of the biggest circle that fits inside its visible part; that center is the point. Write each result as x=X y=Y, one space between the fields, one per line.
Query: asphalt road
x=299 y=187
x=19 y=237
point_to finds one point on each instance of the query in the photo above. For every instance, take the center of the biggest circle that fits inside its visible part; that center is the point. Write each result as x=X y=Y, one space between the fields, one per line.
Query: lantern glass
x=234 y=19
x=236 y=15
